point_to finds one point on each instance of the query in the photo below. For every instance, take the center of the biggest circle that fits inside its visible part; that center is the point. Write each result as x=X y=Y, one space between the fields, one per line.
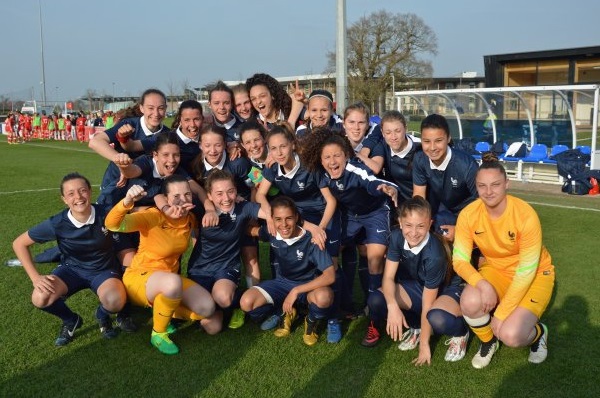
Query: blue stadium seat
x=481 y=147
x=538 y=153
x=556 y=149
x=585 y=149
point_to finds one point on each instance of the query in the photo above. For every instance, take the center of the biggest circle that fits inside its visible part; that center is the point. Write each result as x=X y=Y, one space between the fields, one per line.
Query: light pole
x=113 y=84
x=42 y=50
x=393 y=90
x=341 y=65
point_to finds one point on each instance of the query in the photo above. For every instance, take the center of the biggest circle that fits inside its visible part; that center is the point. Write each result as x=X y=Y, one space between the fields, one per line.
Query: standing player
x=305 y=275
x=9 y=128
x=320 y=114
x=60 y=125
x=45 y=120
x=445 y=176
x=272 y=102
x=362 y=198
x=506 y=297
x=400 y=149
x=37 y=126
x=220 y=102
x=87 y=260
x=242 y=104
x=80 y=127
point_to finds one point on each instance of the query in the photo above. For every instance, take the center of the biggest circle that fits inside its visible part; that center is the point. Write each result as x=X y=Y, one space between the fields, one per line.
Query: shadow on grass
x=128 y=365
x=571 y=369
x=351 y=371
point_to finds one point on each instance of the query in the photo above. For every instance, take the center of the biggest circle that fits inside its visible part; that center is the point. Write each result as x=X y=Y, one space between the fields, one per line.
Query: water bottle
x=13 y=262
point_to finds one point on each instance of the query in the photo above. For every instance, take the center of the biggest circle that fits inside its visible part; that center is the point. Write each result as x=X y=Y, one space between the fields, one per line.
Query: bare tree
x=171 y=92
x=381 y=45
x=185 y=88
x=90 y=94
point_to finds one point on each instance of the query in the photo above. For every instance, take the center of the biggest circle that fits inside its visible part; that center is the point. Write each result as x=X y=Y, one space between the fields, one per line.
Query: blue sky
x=137 y=44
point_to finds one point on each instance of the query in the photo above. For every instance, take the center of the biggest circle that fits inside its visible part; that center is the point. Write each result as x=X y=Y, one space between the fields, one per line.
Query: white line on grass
x=35 y=190
x=64 y=149
x=563 y=206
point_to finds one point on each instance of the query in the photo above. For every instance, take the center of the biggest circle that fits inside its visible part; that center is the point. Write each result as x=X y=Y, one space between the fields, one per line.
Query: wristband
x=121 y=139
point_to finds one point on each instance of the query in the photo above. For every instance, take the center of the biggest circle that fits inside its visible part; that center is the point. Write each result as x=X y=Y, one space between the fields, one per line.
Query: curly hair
x=310 y=150
x=281 y=100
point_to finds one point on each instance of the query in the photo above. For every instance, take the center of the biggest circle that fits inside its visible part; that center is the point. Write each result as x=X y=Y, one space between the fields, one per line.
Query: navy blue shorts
x=333 y=230
x=208 y=282
x=125 y=240
x=415 y=291
x=78 y=279
x=279 y=288
x=368 y=228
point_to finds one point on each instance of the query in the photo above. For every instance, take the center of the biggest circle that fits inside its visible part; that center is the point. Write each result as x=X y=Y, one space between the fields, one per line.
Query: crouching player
x=418 y=289
x=152 y=279
x=506 y=297
x=305 y=274
x=87 y=261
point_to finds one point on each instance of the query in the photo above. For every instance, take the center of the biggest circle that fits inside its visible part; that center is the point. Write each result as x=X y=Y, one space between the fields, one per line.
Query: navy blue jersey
x=150 y=180
x=109 y=193
x=356 y=190
x=89 y=247
x=398 y=168
x=373 y=136
x=300 y=185
x=232 y=127
x=454 y=188
x=426 y=264
x=298 y=259
x=335 y=124
x=188 y=148
x=239 y=168
x=218 y=247
x=140 y=133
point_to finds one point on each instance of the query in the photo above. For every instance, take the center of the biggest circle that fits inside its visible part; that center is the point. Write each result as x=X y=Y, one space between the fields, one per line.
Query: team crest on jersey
x=233 y=216
x=299 y=254
x=339 y=186
x=511 y=236
x=454 y=182
x=115 y=237
x=301 y=185
x=105 y=231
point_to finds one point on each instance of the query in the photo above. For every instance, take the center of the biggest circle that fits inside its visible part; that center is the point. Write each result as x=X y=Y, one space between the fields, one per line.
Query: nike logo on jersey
x=381 y=231
x=331 y=242
x=533 y=301
x=274 y=246
x=479 y=232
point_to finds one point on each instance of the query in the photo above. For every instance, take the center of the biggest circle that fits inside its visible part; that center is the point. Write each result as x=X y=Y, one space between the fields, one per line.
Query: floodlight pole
x=42 y=50
x=341 y=65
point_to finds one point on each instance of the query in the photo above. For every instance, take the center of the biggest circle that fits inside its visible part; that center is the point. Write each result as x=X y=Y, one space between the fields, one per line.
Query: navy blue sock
x=374 y=282
x=338 y=293
x=125 y=311
x=363 y=275
x=412 y=318
x=102 y=313
x=60 y=309
x=377 y=306
x=443 y=322
x=349 y=261
x=260 y=313
x=315 y=312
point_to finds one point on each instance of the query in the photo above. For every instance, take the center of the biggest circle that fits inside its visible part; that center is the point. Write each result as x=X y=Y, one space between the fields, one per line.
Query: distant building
x=543 y=68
